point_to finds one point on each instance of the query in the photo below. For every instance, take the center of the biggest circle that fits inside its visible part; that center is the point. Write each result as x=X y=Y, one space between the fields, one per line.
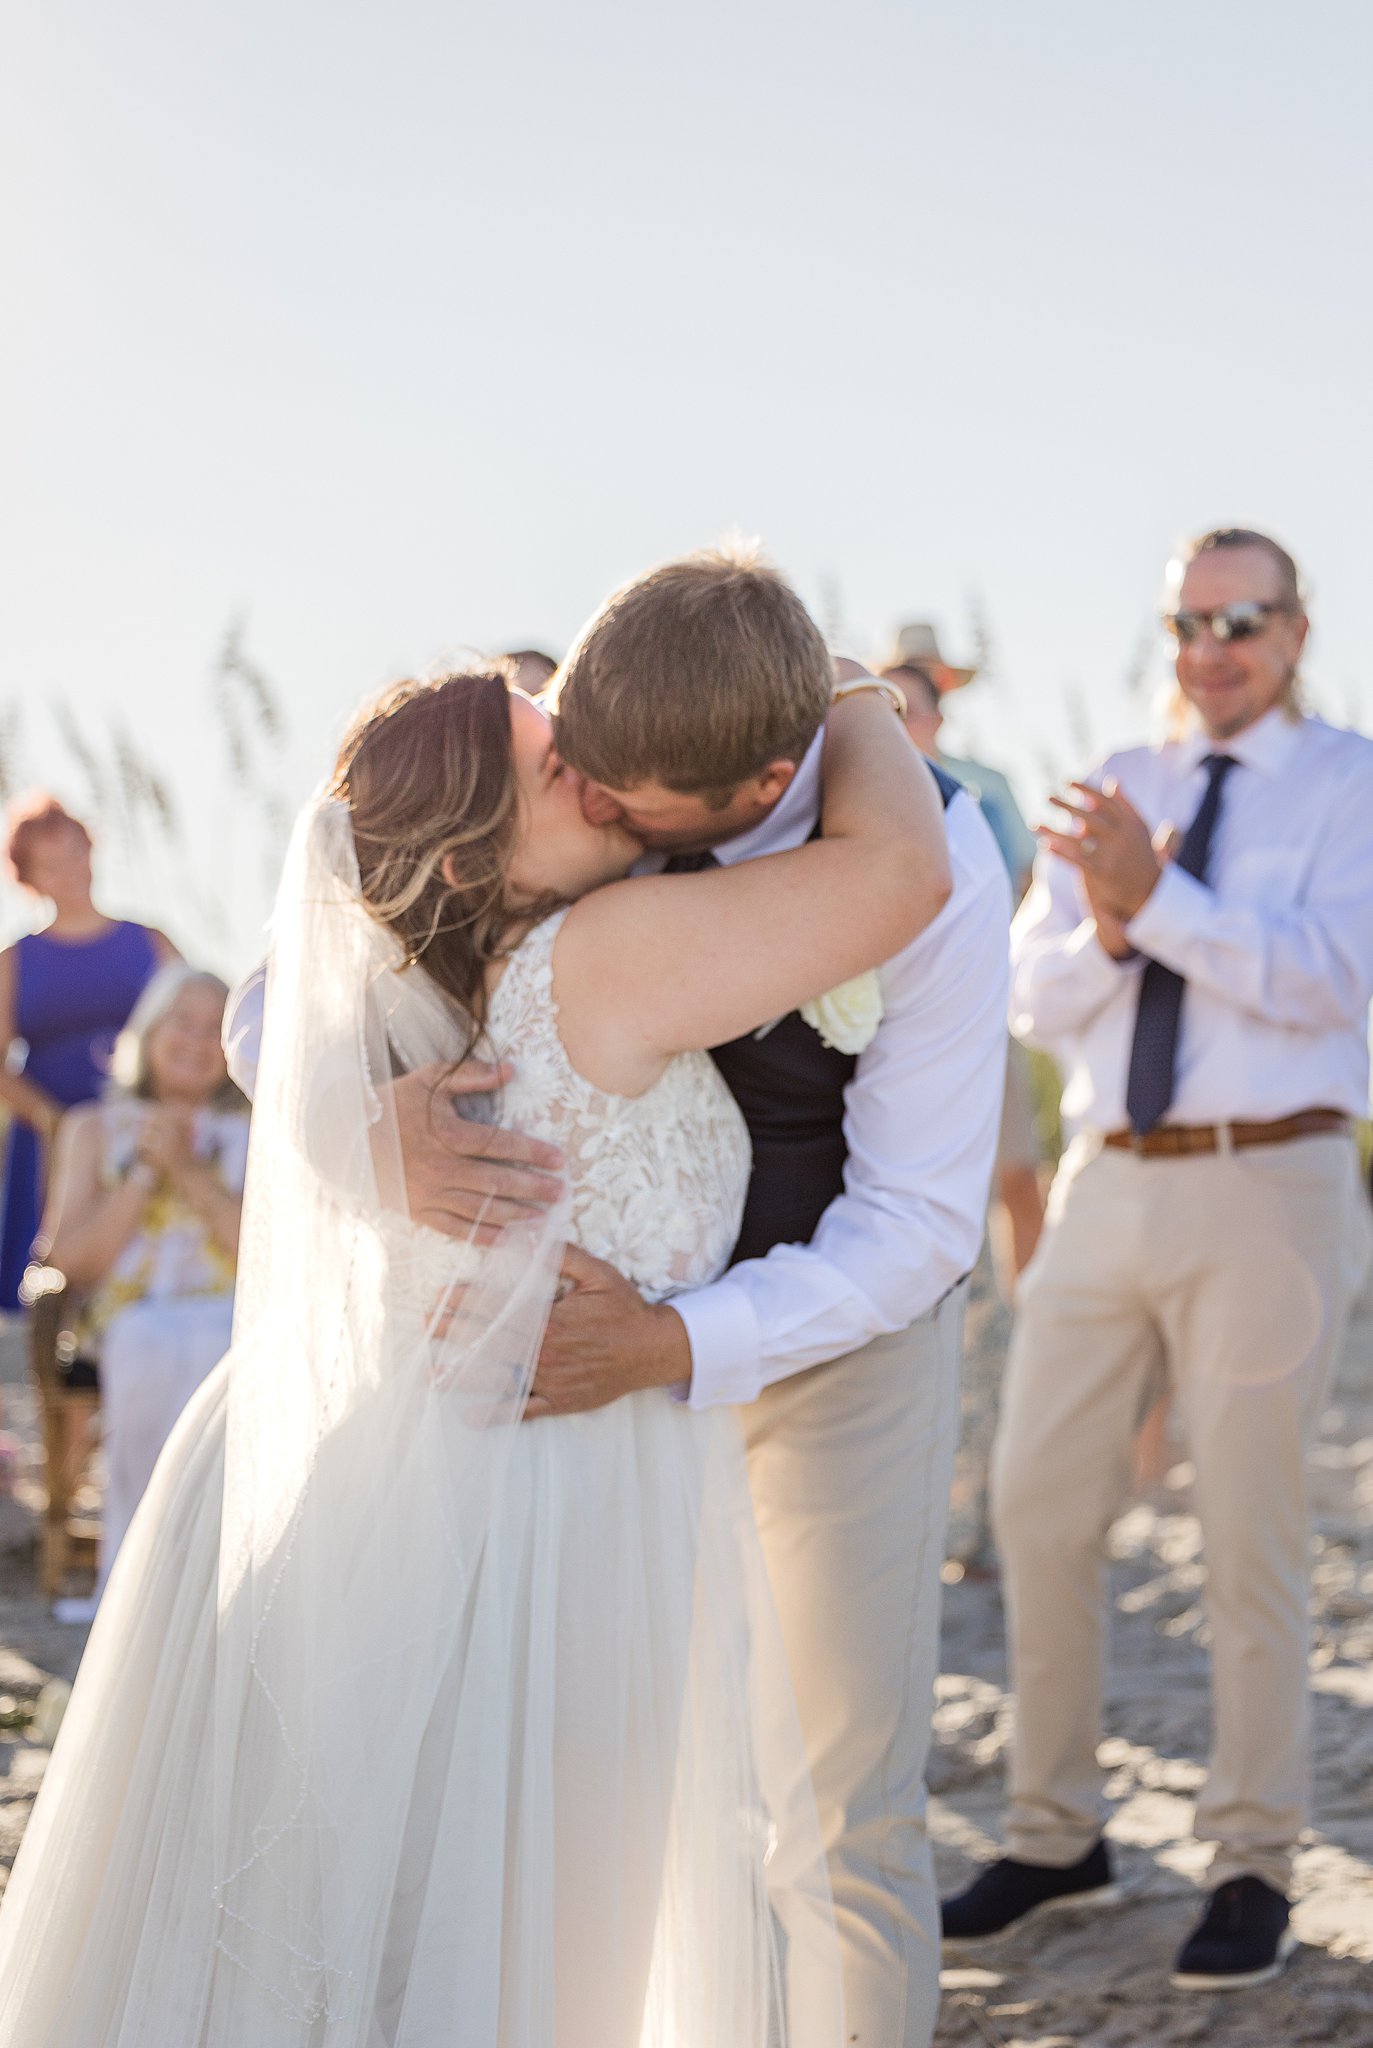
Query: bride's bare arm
x=660 y=964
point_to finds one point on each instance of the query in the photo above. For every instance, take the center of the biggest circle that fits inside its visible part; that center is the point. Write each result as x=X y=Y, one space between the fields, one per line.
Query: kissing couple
x=528 y=1637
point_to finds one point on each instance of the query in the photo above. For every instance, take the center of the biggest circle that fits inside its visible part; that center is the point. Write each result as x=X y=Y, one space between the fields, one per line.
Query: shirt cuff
x=722 y=1330
x=1084 y=945
x=1096 y=973
x=1171 y=918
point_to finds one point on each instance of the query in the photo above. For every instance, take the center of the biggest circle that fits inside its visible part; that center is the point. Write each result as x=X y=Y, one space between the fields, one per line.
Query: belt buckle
x=1138 y=1141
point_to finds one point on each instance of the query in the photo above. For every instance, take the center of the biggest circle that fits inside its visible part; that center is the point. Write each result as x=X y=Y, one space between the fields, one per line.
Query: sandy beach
x=1100 y=1979
x=1071 y=1979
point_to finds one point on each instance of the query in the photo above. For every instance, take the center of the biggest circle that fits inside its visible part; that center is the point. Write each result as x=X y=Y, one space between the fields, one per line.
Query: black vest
x=790 y=1086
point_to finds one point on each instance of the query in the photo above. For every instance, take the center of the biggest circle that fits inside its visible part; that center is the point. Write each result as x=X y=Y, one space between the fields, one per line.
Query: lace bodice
x=657 y=1180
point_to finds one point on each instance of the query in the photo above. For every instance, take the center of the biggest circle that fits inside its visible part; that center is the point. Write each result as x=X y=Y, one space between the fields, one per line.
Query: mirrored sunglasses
x=1241 y=621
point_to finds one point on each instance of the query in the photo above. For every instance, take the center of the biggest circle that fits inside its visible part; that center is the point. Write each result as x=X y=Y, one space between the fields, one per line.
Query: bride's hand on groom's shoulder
x=466 y=1178
x=603 y=1341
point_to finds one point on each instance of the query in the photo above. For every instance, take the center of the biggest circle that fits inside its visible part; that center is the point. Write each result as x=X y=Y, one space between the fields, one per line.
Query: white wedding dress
x=490 y=1745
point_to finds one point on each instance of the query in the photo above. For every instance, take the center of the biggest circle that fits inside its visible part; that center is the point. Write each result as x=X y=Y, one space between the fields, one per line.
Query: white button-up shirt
x=920 y=1121
x=1276 y=946
x=921 y=1118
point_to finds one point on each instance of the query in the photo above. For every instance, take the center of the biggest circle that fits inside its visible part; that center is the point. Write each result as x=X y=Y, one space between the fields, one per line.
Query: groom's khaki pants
x=850 y=1466
x=1234 y=1274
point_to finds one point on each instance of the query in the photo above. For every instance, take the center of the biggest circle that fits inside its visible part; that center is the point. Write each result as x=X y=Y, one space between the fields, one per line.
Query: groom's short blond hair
x=695 y=676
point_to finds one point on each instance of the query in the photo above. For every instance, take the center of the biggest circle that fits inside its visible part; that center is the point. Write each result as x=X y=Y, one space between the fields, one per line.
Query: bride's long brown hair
x=427 y=771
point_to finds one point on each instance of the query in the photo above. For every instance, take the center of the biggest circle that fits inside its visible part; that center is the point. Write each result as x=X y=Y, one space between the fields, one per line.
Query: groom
x=836 y=1331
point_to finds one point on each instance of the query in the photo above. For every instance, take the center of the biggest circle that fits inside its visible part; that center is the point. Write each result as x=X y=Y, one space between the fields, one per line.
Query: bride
x=406 y=1721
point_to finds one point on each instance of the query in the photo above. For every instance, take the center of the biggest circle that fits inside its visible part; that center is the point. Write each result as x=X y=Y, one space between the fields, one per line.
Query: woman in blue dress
x=66 y=992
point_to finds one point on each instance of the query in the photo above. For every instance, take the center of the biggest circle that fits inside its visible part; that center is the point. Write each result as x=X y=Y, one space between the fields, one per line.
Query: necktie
x=689 y=863
x=1153 y=1054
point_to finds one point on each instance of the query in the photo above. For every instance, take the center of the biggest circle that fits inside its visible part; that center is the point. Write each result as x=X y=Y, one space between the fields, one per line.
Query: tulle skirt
x=607 y=1768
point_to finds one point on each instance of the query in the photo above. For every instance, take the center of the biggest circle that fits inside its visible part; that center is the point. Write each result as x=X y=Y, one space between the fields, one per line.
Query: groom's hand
x=464 y=1178
x=604 y=1340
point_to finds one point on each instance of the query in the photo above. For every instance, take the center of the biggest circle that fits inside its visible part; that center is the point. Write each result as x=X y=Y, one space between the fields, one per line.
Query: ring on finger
x=1087 y=843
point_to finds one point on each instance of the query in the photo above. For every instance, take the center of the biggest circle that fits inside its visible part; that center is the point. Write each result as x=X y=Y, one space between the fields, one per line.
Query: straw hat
x=917 y=646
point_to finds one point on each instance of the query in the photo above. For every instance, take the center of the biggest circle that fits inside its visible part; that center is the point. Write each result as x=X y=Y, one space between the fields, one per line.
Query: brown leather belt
x=1178 y=1141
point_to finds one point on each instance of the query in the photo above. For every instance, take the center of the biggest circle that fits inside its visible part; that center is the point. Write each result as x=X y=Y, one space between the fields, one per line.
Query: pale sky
x=413 y=328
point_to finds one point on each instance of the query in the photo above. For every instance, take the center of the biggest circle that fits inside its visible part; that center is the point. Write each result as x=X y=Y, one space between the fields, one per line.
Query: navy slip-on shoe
x=1008 y=1891
x=1241 y=1939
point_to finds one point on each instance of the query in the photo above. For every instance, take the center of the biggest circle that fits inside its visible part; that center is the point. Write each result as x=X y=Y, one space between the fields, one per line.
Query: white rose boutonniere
x=848 y=1017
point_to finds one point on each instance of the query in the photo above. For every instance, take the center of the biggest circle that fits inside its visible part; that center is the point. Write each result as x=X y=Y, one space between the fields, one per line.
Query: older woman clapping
x=143 y=1220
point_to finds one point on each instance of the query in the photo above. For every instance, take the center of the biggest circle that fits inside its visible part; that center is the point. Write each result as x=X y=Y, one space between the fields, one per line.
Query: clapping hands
x=1110 y=845
x=165 y=1141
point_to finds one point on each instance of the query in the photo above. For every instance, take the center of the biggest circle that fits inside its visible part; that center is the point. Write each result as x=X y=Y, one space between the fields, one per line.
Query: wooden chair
x=70 y=1419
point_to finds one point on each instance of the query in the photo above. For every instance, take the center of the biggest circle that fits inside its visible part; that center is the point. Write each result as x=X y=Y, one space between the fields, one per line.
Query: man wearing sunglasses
x=1197 y=950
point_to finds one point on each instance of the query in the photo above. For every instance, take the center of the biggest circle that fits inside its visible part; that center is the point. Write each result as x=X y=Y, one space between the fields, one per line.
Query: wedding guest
x=968 y=1548
x=925 y=681
x=533 y=670
x=1211 y=1013
x=143 y=1220
x=65 y=992
x=917 y=654
x=918 y=666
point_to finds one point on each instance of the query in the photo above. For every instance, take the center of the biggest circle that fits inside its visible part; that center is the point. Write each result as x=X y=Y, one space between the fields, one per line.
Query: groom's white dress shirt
x=921 y=1118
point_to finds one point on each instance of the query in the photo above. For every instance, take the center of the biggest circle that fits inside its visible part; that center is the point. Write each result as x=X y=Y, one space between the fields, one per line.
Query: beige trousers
x=1235 y=1274
x=850 y=1466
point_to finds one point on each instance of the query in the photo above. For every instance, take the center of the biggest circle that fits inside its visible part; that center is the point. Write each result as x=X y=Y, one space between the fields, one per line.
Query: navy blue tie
x=1154 y=1052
